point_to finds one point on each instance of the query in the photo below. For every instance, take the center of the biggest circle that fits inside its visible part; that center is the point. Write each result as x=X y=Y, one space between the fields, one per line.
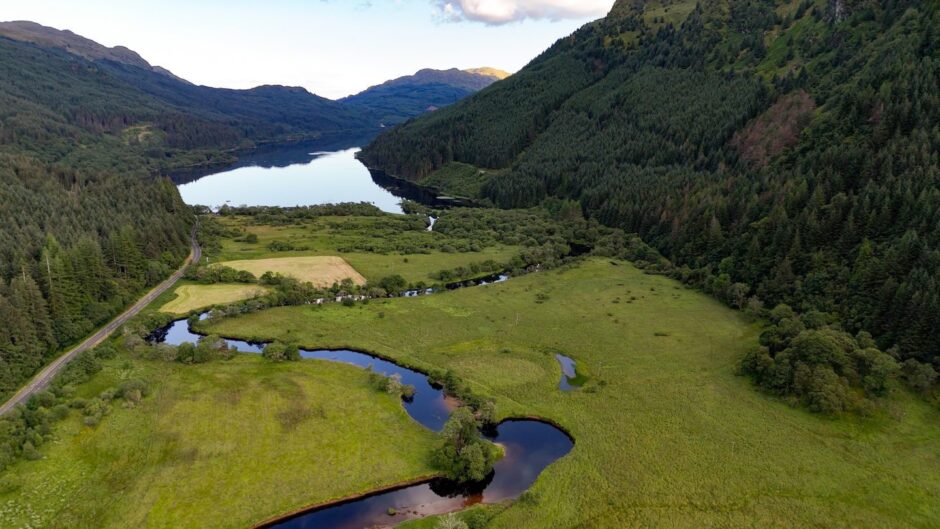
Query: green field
x=337 y=235
x=221 y=445
x=667 y=435
x=190 y=297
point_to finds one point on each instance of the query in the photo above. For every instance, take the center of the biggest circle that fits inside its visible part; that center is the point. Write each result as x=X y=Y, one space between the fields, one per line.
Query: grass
x=321 y=270
x=336 y=235
x=190 y=297
x=667 y=435
x=222 y=445
x=658 y=13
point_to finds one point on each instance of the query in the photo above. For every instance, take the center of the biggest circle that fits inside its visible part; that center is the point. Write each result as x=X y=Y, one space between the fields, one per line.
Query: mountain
x=778 y=152
x=399 y=99
x=26 y=31
x=227 y=118
x=88 y=224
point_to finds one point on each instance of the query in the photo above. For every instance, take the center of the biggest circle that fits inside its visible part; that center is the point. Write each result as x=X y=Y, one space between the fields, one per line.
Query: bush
x=30 y=452
x=918 y=376
x=279 y=352
x=463 y=455
x=394 y=284
x=824 y=368
x=451 y=521
x=133 y=390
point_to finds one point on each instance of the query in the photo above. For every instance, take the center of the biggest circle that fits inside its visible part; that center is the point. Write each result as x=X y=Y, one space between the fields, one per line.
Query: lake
x=299 y=175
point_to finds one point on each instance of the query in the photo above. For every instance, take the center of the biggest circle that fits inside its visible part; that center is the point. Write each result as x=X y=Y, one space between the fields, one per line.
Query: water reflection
x=529 y=446
x=296 y=176
x=570 y=378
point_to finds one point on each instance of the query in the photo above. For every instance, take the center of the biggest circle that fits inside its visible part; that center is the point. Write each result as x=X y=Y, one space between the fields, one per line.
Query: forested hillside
x=778 y=152
x=88 y=223
x=427 y=90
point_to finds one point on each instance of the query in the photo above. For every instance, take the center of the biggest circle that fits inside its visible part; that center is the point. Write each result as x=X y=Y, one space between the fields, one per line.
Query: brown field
x=322 y=271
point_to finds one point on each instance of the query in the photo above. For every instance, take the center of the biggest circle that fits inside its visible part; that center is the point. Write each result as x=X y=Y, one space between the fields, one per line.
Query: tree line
x=842 y=219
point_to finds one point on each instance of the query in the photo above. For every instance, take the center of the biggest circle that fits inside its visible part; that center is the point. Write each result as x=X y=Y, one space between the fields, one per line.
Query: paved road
x=44 y=377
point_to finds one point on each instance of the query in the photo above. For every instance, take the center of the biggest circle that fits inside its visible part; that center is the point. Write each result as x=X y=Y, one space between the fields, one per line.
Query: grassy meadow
x=345 y=237
x=221 y=445
x=190 y=297
x=667 y=435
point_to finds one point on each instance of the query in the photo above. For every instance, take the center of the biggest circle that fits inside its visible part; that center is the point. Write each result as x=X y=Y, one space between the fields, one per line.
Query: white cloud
x=505 y=11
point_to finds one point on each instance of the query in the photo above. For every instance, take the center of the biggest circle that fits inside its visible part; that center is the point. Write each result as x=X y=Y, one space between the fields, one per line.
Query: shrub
x=30 y=452
x=918 y=376
x=133 y=390
x=451 y=521
x=279 y=352
x=463 y=455
x=394 y=284
x=826 y=369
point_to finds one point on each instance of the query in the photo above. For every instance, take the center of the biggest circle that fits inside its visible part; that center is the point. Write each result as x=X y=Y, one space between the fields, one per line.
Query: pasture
x=667 y=435
x=375 y=246
x=223 y=445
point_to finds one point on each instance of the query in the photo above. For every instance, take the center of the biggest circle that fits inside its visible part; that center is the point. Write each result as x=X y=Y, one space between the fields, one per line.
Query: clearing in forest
x=322 y=271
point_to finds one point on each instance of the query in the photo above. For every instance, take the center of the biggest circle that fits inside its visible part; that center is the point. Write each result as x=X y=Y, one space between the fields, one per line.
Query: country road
x=44 y=377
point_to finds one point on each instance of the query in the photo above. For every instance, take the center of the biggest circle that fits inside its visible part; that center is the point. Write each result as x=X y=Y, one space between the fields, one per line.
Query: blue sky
x=331 y=47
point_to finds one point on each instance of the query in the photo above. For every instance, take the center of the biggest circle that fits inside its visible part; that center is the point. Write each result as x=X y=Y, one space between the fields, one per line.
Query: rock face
x=26 y=31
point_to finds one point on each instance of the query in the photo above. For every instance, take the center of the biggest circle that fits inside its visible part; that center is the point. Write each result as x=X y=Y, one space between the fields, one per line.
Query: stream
x=529 y=447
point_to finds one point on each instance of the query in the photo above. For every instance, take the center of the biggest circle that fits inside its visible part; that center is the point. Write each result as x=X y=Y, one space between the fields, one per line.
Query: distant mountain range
x=427 y=90
x=84 y=129
x=292 y=111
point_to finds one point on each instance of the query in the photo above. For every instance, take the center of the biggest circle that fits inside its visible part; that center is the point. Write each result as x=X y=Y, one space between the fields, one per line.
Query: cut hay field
x=222 y=445
x=667 y=435
x=321 y=270
x=190 y=297
x=342 y=235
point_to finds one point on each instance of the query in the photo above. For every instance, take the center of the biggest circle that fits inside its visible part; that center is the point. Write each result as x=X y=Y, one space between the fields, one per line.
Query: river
x=529 y=447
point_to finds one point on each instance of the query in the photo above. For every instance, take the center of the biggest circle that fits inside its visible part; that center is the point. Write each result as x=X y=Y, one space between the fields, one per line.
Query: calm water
x=529 y=447
x=296 y=176
x=569 y=373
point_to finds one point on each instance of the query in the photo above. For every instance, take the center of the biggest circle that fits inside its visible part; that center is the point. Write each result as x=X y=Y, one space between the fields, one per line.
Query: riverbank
x=258 y=437
x=667 y=434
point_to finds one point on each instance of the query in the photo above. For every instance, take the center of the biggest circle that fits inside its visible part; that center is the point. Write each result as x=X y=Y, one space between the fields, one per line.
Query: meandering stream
x=529 y=447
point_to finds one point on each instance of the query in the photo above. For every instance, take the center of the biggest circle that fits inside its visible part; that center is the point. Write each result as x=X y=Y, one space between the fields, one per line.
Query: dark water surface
x=529 y=447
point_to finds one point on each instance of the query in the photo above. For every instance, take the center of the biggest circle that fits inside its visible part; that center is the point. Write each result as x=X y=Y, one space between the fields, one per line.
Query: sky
x=330 y=47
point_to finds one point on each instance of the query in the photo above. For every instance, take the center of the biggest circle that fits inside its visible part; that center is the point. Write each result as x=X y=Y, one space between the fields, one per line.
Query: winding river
x=529 y=447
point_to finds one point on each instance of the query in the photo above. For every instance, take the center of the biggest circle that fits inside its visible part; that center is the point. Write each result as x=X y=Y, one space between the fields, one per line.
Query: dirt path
x=44 y=377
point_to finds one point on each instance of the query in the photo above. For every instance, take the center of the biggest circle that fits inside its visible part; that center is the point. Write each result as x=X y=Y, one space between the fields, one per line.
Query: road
x=44 y=377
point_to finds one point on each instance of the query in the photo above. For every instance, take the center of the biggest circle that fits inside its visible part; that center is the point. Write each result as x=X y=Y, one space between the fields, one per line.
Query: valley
x=681 y=269
x=646 y=347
